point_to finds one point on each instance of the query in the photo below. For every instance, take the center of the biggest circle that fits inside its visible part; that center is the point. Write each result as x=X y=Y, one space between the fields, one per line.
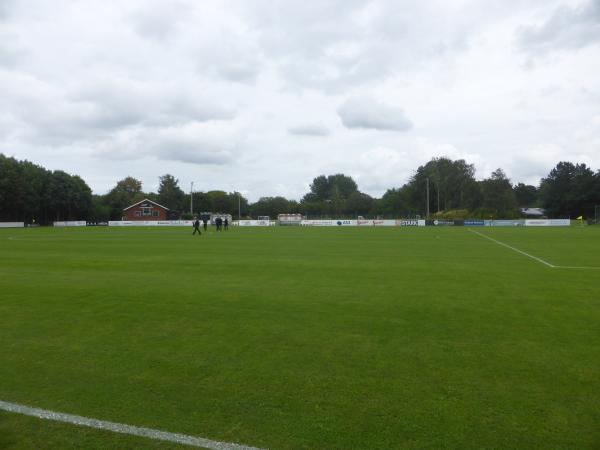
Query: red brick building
x=145 y=210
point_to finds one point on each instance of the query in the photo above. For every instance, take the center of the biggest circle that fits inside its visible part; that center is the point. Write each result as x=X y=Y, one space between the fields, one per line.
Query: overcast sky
x=261 y=96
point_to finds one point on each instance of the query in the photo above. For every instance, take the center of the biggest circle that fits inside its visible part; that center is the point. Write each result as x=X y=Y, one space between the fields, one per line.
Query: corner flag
x=580 y=218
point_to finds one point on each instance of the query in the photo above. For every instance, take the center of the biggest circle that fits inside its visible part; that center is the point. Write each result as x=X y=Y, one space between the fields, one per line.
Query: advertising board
x=376 y=223
x=70 y=223
x=439 y=223
x=547 y=222
x=474 y=223
x=329 y=223
x=506 y=223
x=12 y=224
x=256 y=223
x=408 y=222
x=150 y=223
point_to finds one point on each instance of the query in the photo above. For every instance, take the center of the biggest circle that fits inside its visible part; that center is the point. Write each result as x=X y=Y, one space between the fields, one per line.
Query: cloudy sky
x=261 y=96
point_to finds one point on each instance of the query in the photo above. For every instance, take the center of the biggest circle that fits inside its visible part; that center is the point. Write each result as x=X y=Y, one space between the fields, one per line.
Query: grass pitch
x=289 y=338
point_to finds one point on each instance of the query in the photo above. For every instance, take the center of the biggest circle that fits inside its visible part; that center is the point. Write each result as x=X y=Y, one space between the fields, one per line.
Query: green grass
x=288 y=338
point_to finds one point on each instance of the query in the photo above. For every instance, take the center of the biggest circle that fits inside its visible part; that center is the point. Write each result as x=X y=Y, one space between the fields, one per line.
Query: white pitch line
x=535 y=257
x=514 y=249
x=122 y=428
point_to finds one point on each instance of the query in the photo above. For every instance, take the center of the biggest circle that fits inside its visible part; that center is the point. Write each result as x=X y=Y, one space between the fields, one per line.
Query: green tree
x=29 y=192
x=319 y=189
x=498 y=194
x=451 y=185
x=359 y=204
x=127 y=192
x=333 y=188
x=170 y=194
x=526 y=195
x=570 y=190
x=271 y=206
x=100 y=211
x=395 y=203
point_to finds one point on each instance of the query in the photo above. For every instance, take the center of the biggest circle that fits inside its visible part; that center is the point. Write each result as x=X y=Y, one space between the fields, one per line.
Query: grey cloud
x=9 y=57
x=190 y=143
x=158 y=20
x=193 y=152
x=309 y=130
x=233 y=57
x=197 y=109
x=241 y=72
x=567 y=28
x=302 y=40
x=365 y=112
x=5 y=8
x=335 y=45
x=97 y=108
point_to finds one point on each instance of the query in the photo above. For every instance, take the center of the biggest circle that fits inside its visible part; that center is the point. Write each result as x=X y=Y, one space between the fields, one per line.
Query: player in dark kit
x=204 y=223
x=226 y=223
x=218 y=223
x=196 y=227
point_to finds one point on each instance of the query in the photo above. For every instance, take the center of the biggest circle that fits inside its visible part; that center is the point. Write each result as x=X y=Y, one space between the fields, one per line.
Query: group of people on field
x=221 y=224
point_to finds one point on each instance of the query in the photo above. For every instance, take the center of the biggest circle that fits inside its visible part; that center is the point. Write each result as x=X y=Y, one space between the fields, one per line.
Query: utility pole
x=192 y=199
x=427 y=216
x=239 y=206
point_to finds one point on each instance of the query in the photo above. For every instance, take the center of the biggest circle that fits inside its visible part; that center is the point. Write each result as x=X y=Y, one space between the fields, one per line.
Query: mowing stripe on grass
x=121 y=428
x=514 y=249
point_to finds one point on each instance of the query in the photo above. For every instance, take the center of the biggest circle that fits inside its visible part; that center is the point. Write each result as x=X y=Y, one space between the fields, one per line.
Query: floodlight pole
x=192 y=199
x=427 y=210
x=239 y=206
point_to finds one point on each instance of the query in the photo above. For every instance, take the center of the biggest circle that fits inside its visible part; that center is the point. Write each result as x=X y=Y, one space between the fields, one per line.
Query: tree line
x=31 y=193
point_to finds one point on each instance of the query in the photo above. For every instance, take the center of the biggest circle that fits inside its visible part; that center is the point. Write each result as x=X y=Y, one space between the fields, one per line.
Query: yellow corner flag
x=580 y=218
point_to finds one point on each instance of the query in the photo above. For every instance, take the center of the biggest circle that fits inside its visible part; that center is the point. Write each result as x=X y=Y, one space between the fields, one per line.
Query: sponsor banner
x=439 y=223
x=547 y=222
x=474 y=223
x=506 y=223
x=256 y=223
x=376 y=223
x=329 y=223
x=12 y=224
x=289 y=219
x=71 y=223
x=408 y=222
x=150 y=223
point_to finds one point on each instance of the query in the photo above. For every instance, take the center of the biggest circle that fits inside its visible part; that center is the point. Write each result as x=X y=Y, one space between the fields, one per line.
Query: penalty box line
x=121 y=428
x=546 y=263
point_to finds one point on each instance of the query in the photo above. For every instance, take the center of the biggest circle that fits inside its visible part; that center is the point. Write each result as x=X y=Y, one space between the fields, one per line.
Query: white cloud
x=382 y=168
x=193 y=143
x=309 y=130
x=567 y=27
x=158 y=20
x=365 y=112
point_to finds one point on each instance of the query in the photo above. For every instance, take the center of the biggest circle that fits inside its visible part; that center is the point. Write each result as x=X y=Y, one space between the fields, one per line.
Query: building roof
x=145 y=200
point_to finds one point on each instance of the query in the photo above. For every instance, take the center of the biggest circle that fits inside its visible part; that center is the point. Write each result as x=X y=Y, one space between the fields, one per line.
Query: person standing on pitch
x=218 y=223
x=226 y=223
x=204 y=223
x=196 y=227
